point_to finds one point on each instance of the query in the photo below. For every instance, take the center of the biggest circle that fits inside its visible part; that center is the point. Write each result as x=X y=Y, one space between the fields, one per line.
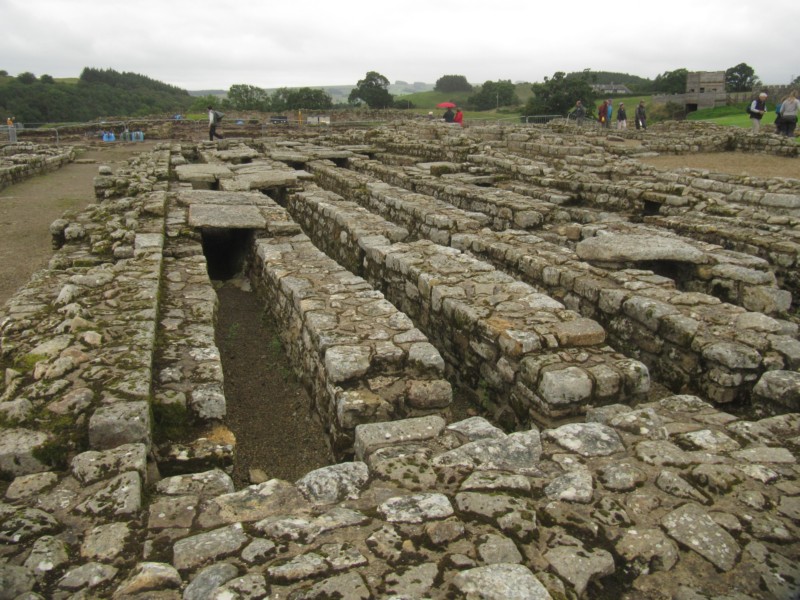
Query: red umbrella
x=445 y=105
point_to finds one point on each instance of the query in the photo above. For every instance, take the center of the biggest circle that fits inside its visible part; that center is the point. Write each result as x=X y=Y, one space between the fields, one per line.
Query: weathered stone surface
x=118 y=424
x=778 y=389
x=578 y=566
x=90 y=467
x=117 y=497
x=691 y=526
x=493 y=582
x=252 y=503
x=571 y=487
x=587 y=439
x=15 y=580
x=334 y=484
x=417 y=508
x=194 y=551
x=637 y=248
x=149 y=577
x=104 y=543
x=17 y=448
x=518 y=452
x=87 y=576
x=647 y=550
x=209 y=579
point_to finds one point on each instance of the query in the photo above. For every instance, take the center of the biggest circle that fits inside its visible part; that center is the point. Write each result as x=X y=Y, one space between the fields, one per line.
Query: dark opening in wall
x=225 y=250
x=280 y=195
x=651 y=208
x=678 y=272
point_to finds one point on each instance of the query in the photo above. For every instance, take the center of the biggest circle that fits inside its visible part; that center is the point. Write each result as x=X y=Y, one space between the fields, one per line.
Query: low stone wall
x=324 y=215
x=188 y=389
x=526 y=357
x=691 y=339
x=422 y=215
x=362 y=359
x=22 y=161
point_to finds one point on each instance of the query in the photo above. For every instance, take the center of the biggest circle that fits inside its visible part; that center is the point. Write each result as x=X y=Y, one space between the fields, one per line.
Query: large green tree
x=308 y=98
x=671 y=82
x=558 y=94
x=452 y=83
x=741 y=78
x=494 y=94
x=248 y=97
x=373 y=90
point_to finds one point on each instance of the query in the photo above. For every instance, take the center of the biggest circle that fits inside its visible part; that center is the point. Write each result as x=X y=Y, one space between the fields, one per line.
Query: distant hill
x=96 y=94
x=339 y=93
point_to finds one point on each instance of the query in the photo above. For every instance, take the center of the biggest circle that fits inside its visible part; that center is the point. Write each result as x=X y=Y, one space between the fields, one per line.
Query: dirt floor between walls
x=268 y=410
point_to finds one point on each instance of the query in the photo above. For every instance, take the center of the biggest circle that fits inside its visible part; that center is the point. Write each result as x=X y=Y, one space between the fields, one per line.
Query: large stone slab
x=638 y=248
x=226 y=216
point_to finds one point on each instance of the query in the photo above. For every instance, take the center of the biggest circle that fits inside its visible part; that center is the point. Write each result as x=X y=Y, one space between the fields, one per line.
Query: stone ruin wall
x=514 y=266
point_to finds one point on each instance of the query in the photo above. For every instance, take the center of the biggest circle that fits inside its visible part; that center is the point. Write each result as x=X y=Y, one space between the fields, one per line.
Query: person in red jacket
x=602 y=113
x=459 y=118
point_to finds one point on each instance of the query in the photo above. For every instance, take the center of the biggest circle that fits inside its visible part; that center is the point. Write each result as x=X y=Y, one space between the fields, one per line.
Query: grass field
x=734 y=116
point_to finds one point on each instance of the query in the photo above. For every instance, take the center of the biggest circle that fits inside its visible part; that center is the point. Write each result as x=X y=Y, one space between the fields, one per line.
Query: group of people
x=606 y=112
x=785 y=113
x=454 y=117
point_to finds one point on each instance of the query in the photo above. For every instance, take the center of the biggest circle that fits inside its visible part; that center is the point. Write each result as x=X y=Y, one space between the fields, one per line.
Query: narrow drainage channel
x=277 y=435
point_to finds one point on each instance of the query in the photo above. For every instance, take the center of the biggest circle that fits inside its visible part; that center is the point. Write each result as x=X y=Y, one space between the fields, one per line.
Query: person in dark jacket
x=641 y=116
x=213 y=121
x=449 y=115
x=622 y=117
x=757 y=109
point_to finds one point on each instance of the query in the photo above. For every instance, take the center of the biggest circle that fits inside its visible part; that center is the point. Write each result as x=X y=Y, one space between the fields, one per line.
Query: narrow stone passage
x=268 y=410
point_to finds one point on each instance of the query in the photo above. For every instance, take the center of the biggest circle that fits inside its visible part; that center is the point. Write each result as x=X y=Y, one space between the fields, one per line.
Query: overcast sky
x=200 y=44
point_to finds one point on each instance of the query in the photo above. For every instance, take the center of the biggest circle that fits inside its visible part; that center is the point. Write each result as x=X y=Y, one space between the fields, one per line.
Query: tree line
x=97 y=93
x=108 y=93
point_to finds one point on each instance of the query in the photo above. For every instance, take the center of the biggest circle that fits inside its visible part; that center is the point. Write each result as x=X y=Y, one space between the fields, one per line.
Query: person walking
x=757 y=109
x=778 y=120
x=580 y=113
x=448 y=115
x=12 y=130
x=622 y=118
x=459 y=118
x=641 y=116
x=789 y=109
x=602 y=113
x=213 y=121
x=610 y=112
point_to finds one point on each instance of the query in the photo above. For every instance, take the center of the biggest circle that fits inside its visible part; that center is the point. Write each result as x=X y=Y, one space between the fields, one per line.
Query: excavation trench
x=268 y=410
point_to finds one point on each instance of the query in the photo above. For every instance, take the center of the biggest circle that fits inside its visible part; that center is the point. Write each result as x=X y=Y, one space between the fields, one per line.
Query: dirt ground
x=277 y=435
x=28 y=208
x=269 y=412
x=733 y=163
